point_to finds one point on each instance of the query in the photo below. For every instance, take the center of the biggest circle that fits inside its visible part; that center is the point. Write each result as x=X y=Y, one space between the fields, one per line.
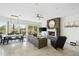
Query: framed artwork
x=51 y=24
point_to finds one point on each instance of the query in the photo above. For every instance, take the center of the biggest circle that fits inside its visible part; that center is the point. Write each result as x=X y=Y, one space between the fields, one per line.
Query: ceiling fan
x=39 y=16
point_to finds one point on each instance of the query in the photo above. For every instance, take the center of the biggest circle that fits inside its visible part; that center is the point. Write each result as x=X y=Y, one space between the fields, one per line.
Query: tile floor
x=16 y=48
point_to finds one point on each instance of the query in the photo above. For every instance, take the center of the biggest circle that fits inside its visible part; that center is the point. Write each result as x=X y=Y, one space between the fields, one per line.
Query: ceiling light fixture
x=38 y=15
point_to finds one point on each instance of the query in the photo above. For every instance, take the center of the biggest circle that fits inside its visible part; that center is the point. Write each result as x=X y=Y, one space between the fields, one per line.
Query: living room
x=42 y=29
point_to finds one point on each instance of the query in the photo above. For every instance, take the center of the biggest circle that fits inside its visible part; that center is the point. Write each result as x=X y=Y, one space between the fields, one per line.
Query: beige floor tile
x=27 y=49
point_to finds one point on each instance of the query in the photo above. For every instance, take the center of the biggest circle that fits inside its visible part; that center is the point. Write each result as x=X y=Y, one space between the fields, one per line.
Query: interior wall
x=72 y=33
x=44 y=23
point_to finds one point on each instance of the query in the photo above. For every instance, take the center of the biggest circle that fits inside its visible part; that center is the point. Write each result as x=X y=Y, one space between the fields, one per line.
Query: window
x=2 y=27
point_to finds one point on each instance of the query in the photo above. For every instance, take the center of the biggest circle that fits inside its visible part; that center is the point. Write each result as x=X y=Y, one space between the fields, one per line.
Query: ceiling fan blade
x=41 y=17
x=38 y=15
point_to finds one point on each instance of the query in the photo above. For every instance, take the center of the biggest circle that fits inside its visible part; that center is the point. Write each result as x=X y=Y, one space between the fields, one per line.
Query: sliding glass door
x=2 y=27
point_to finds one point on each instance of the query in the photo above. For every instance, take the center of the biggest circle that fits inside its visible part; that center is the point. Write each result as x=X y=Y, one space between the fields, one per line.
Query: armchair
x=58 y=42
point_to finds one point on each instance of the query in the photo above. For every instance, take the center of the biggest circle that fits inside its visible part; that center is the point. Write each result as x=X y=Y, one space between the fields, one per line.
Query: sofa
x=58 y=42
x=38 y=42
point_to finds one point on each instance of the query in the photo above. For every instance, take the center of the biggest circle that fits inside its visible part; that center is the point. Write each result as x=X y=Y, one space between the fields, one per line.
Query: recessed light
x=57 y=8
x=73 y=8
x=36 y=3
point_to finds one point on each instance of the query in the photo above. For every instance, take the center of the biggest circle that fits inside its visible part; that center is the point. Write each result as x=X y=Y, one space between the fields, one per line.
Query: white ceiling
x=27 y=11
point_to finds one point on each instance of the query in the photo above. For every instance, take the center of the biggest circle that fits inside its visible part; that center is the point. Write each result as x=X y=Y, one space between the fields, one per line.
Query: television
x=42 y=29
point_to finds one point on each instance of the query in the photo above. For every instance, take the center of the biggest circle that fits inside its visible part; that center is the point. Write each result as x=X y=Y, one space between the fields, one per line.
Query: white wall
x=43 y=23
x=71 y=33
